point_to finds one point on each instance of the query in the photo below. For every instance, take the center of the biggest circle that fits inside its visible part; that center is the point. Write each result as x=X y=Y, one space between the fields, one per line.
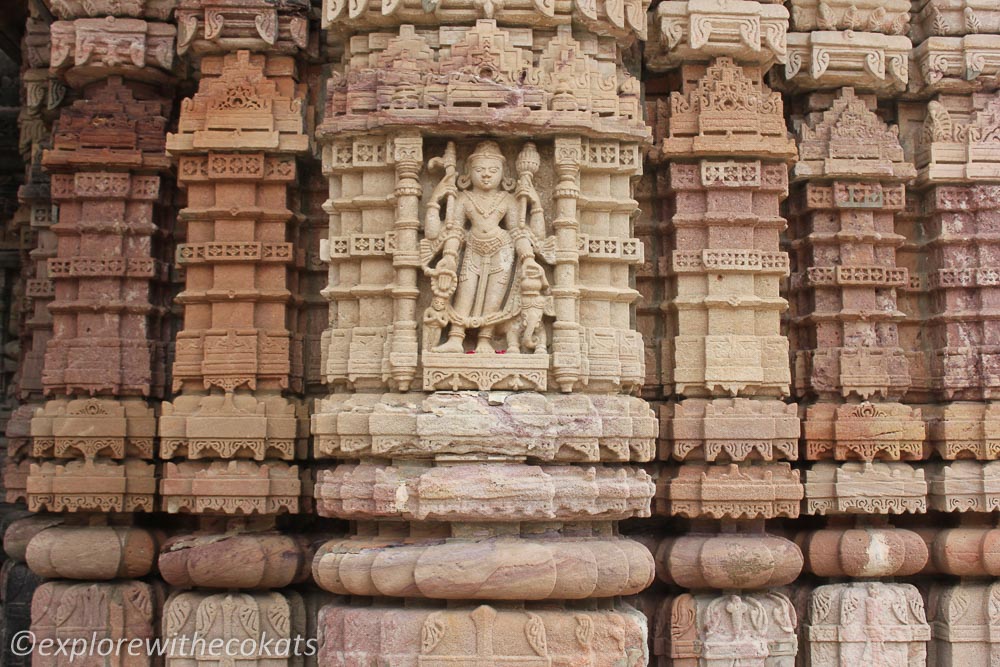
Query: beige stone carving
x=763 y=491
x=498 y=287
x=735 y=429
x=230 y=487
x=955 y=142
x=865 y=488
x=725 y=110
x=501 y=424
x=890 y=17
x=865 y=60
x=91 y=486
x=964 y=486
x=751 y=32
x=370 y=344
x=481 y=492
x=552 y=83
x=955 y=64
x=624 y=21
x=953 y=18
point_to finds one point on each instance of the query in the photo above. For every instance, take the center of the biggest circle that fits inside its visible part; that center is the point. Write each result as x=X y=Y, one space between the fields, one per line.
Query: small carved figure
x=487 y=277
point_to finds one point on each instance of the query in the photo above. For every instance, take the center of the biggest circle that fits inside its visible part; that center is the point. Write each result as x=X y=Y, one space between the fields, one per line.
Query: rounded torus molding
x=92 y=552
x=967 y=552
x=19 y=533
x=864 y=552
x=728 y=562
x=265 y=560
x=500 y=568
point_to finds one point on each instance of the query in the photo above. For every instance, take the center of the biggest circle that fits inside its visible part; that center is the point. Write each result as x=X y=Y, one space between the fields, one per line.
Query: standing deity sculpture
x=487 y=244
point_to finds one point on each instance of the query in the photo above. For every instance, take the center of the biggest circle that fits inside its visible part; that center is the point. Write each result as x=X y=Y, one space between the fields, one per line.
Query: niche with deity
x=487 y=256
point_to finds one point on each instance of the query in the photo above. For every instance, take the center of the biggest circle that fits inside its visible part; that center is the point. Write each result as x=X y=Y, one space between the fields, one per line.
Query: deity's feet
x=453 y=344
x=484 y=346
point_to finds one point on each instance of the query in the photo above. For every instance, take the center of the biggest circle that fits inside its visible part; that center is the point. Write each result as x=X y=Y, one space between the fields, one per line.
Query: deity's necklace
x=494 y=200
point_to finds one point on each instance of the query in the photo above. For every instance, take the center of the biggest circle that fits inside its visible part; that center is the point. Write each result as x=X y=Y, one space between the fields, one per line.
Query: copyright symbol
x=22 y=643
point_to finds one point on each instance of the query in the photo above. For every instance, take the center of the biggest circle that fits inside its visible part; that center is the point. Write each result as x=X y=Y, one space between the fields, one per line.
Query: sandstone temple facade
x=500 y=333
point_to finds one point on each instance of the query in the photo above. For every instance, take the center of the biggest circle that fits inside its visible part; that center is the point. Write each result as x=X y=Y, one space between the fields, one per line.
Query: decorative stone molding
x=953 y=18
x=865 y=60
x=623 y=20
x=751 y=32
x=478 y=635
x=847 y=621
x=535 y=426
x=959 y=65
x=890 y=17
x=865 y=488
x=475 y=492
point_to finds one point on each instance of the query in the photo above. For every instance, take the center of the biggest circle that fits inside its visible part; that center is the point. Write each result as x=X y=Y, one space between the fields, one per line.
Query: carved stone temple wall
x=481 y=333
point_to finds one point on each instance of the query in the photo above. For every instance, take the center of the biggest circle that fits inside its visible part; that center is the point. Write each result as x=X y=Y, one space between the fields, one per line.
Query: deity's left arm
x=522 y=238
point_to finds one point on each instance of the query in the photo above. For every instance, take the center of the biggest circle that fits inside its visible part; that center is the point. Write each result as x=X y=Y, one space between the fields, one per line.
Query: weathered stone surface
x=728 y=561
x=865 y=431
x=864 y=60
x=890 y=17
x=250 y=618
x=762 y=491
x=955 y=64
x=537 y=426
x=693 y=630
x=92 y=552
x=123 y=610
x=692 y=30
x=230 y=487
x=498 y=568
x=864 y=552
x=966 y=552
x=205 y=560
x=953 y=18
x=735 y=429
x=964 y=486
x=849 y=621
x=482 y=635
x=725 y=110
x=483 y=492
x=963 y=618
x=865 y=488
x=91 y=486
x=964 y=430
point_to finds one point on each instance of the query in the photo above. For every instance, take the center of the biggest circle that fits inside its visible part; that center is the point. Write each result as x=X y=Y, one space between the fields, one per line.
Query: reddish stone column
x=726 y=432
x=103 y=366
x=234 y=436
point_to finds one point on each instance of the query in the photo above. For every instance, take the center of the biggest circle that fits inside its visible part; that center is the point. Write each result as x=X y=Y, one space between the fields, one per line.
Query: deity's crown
x=487 y=150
